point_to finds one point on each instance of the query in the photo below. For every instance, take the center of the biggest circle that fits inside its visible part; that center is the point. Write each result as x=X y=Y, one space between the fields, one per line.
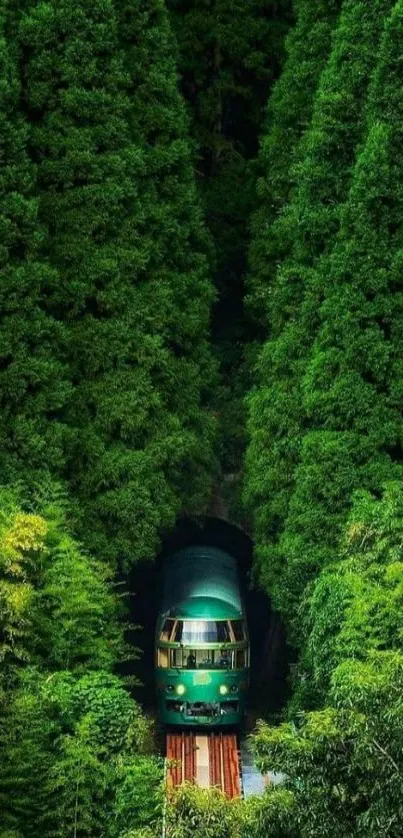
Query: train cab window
x=163 y=658
x=240 y=660
x=208 y=658
x=202 y=631
x=200 y=658
x=167 y=630
x=176 y=658
x=238 y=630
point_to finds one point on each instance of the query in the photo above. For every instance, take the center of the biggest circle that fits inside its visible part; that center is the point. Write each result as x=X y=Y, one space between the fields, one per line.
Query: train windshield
x=237 y=627
x=203 y=631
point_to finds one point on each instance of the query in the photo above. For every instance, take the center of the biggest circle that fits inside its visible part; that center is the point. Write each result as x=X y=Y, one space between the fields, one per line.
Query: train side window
x=178 y=631
x=238 y=629
x=163 y=658
x=240 y=659
x=167 y=630
x=200 y=658
x=223 y=634
x=176 y=658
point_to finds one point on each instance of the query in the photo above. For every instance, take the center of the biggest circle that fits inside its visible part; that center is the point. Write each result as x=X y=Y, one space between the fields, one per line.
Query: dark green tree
x=34 y=381
x=344 y=762
x=306 y=230
x=289 y=112
x=271 y=454
x=351 y=388
x=117 y=194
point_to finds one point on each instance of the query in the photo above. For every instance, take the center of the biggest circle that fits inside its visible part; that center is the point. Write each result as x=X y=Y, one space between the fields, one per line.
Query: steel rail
x=223 y=771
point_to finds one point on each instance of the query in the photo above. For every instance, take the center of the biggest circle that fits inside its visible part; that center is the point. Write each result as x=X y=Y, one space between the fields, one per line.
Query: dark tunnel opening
x=270 y=655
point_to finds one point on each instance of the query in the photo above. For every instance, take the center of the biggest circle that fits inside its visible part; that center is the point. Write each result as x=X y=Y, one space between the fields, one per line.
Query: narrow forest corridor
x=227 y=63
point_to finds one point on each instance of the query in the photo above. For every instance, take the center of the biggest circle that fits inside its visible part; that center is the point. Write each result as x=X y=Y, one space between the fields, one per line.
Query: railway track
x=207 y=760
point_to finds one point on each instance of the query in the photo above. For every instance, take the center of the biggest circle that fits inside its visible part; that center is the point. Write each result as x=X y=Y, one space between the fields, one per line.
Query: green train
x=202 y=643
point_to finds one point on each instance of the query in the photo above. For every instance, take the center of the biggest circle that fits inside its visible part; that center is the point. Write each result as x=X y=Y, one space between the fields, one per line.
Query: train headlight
x=223 y=689
x=181 y=689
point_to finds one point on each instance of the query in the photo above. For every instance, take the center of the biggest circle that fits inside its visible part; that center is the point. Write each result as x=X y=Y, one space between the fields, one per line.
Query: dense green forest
x=201 y=245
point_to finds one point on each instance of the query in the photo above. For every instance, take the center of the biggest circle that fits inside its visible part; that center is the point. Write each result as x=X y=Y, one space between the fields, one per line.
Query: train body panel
x=200 y=573
x=200 y=701
x=202 y=646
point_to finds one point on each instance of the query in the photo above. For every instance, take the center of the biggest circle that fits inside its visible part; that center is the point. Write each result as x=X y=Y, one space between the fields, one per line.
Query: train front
x=202 y=647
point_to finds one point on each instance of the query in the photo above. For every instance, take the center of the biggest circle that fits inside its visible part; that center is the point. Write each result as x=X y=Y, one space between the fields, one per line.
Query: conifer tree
x=270 y=455
x=34 y=383
x=306 y=230
x=109 y=137
x=352 y=386
x=289 y=112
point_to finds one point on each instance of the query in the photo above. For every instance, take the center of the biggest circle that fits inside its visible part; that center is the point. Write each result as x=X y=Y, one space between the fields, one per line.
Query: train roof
x=200 y=583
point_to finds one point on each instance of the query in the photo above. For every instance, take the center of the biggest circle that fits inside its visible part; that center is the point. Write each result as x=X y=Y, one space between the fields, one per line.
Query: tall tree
x=34 y=381
x=289 y=112
x=109 y=138
x=305 y=233
x=21 y=536
x=351 y=387
x=269 y=457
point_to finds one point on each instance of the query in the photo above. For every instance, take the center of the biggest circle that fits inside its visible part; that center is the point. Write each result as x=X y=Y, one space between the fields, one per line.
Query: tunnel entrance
x=269 y=652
